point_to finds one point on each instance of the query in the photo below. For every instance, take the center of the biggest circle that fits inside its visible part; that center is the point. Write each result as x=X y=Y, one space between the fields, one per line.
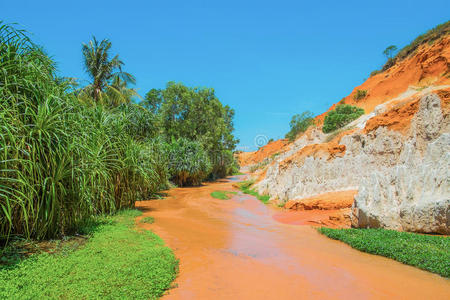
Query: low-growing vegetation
x=341 y=116
x=429 y=37
x=116 y=262
x=148 y=220
x=375 y=72
x=259 y=165
x=245 y=187
x=299 y=124
x=223 y=195
x=360 y=94
x=427 y=252
x=237 y=173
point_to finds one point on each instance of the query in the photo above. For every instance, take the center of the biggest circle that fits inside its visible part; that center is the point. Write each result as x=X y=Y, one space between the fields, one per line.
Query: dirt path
x=234 y=249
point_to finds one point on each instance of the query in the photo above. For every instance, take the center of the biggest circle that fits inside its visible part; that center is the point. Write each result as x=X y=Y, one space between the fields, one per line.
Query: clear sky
x=266 y=59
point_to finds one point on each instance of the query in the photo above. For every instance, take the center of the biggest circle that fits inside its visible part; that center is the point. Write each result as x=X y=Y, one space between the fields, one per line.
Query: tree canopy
x=299 y=123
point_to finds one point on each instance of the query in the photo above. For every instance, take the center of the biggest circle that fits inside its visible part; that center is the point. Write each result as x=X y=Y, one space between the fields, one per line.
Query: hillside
x=391 y=164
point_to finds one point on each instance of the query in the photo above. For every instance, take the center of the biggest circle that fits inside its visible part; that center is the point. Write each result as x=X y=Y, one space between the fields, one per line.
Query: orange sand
x=272 y=148
x=332 y=200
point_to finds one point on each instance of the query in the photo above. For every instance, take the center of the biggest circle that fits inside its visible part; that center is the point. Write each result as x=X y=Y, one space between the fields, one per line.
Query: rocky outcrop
x=402 y=175
x=414 y=194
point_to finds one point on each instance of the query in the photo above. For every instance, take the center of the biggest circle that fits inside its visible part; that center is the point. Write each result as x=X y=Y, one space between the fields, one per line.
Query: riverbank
x=116 y=261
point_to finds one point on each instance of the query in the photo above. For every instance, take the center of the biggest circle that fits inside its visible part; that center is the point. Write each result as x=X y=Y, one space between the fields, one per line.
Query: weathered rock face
x=414 y=194
x=403 y=179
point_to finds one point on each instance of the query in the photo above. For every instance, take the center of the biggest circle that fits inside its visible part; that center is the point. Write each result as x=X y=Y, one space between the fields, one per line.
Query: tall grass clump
x=188 y=163
x=61 y=160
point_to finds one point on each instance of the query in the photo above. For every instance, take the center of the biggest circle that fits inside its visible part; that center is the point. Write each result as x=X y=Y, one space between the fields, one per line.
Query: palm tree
x=103 y=70
x=119 y=92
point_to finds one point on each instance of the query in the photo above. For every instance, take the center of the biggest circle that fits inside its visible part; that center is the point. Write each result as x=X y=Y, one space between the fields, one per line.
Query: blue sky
x=266 y=59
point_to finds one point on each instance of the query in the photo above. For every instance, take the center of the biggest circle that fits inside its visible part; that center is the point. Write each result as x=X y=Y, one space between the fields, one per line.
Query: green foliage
x=109 y=82
x=428 y=37
x=389 y=51
x=360 y=94
x=196 y=114
x=222 y=195
x=67 y=154
x=427 y=252
x=188 y=162
x=140 y=122
x=245 y=187
x=148 y=220
x=117 y=262
x=62 y=161
x=299 y=124
x=375 y=72
x=341 y=116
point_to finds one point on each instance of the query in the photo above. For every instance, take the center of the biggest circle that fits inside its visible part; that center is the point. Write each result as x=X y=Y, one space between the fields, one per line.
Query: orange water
x=235 y=249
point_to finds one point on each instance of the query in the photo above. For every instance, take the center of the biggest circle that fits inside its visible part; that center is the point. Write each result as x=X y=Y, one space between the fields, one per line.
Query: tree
x=106 y=73
x=299 y=123
x=197 y=115
x=153 y=100
x=389 y=52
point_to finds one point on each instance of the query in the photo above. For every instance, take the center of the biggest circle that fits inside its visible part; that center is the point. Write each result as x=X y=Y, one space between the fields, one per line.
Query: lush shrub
x=196 y=114
x=341 y=116
x=299 y=124
x=360 y=94
x=188 y=162
x=431 y=253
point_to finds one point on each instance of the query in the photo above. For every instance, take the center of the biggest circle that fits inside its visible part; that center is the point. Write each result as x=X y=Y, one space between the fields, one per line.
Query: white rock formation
x=403 y=181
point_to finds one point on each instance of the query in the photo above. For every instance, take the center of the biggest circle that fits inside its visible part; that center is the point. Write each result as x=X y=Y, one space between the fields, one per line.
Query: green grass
x=222 y=195
x=117 y=262
x=427 y=252
x=245 y=187
x=148 y=220
x=238 y=173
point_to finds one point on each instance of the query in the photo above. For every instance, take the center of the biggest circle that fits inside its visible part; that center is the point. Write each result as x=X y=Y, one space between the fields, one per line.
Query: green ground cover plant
x=245 y=187
x=117 y=262
x=148 y=220
x=427 y=252
x=223 y=195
